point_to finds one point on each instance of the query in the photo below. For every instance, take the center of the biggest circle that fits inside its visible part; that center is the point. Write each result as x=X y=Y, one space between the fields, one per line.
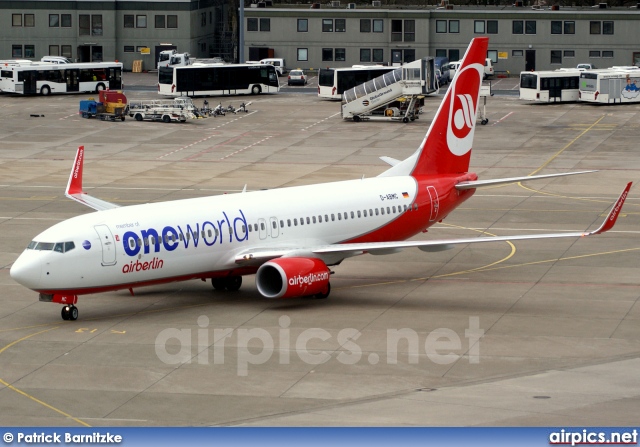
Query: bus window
x=528 y=81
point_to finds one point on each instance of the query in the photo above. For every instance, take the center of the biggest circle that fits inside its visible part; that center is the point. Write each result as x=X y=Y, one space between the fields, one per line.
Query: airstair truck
x=395 y=95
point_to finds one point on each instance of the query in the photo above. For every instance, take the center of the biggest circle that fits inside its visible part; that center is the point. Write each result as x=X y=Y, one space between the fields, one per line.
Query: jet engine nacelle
x=293 y=277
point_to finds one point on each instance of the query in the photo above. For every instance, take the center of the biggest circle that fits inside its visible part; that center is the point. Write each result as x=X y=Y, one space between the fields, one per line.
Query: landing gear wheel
x=73 y=313
x=233 y=283
x=322 y=296
x=484 y=121
x=65 y=313
x=218 y=283
x=356 y=119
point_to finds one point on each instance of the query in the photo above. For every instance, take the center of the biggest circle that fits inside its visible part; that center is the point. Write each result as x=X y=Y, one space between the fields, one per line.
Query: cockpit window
x=60 y=247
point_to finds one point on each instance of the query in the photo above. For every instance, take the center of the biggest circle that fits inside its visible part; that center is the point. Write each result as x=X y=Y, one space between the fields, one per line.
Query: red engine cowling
x=293 y=277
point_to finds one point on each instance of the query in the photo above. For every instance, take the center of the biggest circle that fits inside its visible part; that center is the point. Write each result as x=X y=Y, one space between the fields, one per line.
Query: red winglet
x=610 y=221
x=75 y=179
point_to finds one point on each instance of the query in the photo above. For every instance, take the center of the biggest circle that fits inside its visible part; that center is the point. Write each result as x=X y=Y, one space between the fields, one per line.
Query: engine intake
x=292 y=278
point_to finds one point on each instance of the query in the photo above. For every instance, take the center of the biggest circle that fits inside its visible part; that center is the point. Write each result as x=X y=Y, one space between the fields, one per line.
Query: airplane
x=288 y=237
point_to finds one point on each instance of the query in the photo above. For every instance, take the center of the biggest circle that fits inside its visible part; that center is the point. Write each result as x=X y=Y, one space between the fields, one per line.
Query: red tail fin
x=446 y=149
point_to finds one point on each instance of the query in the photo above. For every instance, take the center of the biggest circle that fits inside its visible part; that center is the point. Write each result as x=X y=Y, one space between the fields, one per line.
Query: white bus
x=610 y=86
x=550 y=86
x=31 y=78
x=333 y=82
x=217 y=80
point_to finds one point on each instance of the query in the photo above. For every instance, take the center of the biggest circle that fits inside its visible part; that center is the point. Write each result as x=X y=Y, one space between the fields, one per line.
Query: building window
x=129 y=49
x=341 y=54
x=16 y=51
x=378 y=55
x=378 y=25
x=569 y=27
x=454 y=55
x=493 y=55
x=441 y=26
x=594 y=27
x=252 y=24
x=410 y=31
x=441 y=53
x=65 y=20
x=454 y=26
x=530 y=27
x=607 y=54
x=66 y=50
x=607 y=27
x=517 y=53
x=141 y=21
x=54 y=50
x=303 y=54
x=172 y=21
x=203 y=47
x=129 y=21
x=265 y=24
x=16 y=20
x=96 y=25
x=569 y=53
x=29 y=51
x=327 y=25
x=396 y=31
x=341 y=25
x=556 y=56
x=303 y=25
x=492 y=27
x=594 y=53
x=517 y=27
x=556 y=27
x=160 y=21
x=203 y=19
x=29 y=20
x=478 y=26
x=84 y=25
x=54 y=22
x=327 y=54
x=365 y=25
x=365 y=55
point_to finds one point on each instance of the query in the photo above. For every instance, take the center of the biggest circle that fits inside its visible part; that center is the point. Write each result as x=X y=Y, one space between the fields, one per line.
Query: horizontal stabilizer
x=390 y=161
x=503 y=181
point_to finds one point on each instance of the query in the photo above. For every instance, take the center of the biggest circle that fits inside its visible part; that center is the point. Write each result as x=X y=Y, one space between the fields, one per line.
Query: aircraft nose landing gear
x=69 y=312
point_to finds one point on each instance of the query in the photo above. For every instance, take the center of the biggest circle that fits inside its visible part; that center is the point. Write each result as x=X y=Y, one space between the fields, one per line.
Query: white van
x=454 y=66
x=56 y=60
x=281 y=66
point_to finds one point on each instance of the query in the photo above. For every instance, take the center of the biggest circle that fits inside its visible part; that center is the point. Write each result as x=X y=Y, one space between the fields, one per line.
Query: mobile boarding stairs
x=396 y=95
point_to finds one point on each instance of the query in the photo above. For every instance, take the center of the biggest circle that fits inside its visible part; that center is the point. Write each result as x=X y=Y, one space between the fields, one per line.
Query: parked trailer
x=166 y=110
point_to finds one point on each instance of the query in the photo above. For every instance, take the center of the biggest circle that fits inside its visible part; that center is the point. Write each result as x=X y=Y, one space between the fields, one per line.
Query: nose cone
x=27 y=269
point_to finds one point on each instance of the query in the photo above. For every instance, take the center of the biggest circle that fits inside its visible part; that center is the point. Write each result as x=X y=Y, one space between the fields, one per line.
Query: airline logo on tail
x=463 y=109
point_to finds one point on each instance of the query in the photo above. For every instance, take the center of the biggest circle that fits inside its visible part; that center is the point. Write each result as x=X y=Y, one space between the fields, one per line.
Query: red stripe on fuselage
x=410 y=223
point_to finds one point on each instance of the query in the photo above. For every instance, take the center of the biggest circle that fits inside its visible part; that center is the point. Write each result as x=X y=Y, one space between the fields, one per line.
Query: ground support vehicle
x=165 y=110
x=112 y=105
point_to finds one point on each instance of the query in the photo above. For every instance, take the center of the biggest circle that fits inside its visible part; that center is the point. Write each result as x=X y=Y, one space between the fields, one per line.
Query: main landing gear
x=69 y=312
x=230 y=283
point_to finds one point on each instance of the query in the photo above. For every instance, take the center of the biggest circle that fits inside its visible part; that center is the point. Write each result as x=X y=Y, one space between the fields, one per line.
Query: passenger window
x=333 y=218
x=394 y=209
x=314 y=219
x=146 y=242
x=371 y=212
x=359 y=214
x=376 y=211
x=262 y=226
x=68 y=246
x=231 y=230
x=302 y=221
x=364 y=213
x=244 y=229
x=255 y=228
x=180 y=236
x=352 y=215
x=274 y=224
x=288 y=222
x=59 y=247
x=326 y=218
x=308 y=221
x=320 y=218
x=282 y=224
x=339 y=216
x=295 y=222
x=188 y=236
x=388 y=210
x=382 y=211
x=250 y=228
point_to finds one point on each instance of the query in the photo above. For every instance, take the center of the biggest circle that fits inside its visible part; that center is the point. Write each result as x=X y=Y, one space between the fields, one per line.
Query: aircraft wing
x=429 y=246
x=74 y=187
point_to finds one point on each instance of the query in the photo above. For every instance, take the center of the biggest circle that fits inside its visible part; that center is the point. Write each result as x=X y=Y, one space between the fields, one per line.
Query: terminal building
x=310 y=36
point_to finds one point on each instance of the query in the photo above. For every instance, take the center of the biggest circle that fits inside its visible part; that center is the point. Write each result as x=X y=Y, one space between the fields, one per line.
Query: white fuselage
x=129 y=246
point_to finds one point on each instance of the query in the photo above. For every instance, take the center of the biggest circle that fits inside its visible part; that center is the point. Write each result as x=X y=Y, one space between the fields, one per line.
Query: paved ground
x=560 y=319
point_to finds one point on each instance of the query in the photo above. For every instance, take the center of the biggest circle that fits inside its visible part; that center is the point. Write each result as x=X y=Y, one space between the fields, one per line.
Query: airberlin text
x=138 y=266
x=308 y=279
x=210 y=232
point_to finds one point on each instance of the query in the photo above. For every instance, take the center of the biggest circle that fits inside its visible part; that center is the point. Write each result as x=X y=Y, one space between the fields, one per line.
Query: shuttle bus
x=610 y=86
x=550 y=86
x=25 y=77
x=333 y=82
x=217 y=80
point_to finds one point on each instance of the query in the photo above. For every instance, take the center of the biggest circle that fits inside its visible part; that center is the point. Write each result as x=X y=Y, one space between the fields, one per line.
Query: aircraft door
x=262 y=228
x=435 y=203
x=275 y=231
x=108 y=245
